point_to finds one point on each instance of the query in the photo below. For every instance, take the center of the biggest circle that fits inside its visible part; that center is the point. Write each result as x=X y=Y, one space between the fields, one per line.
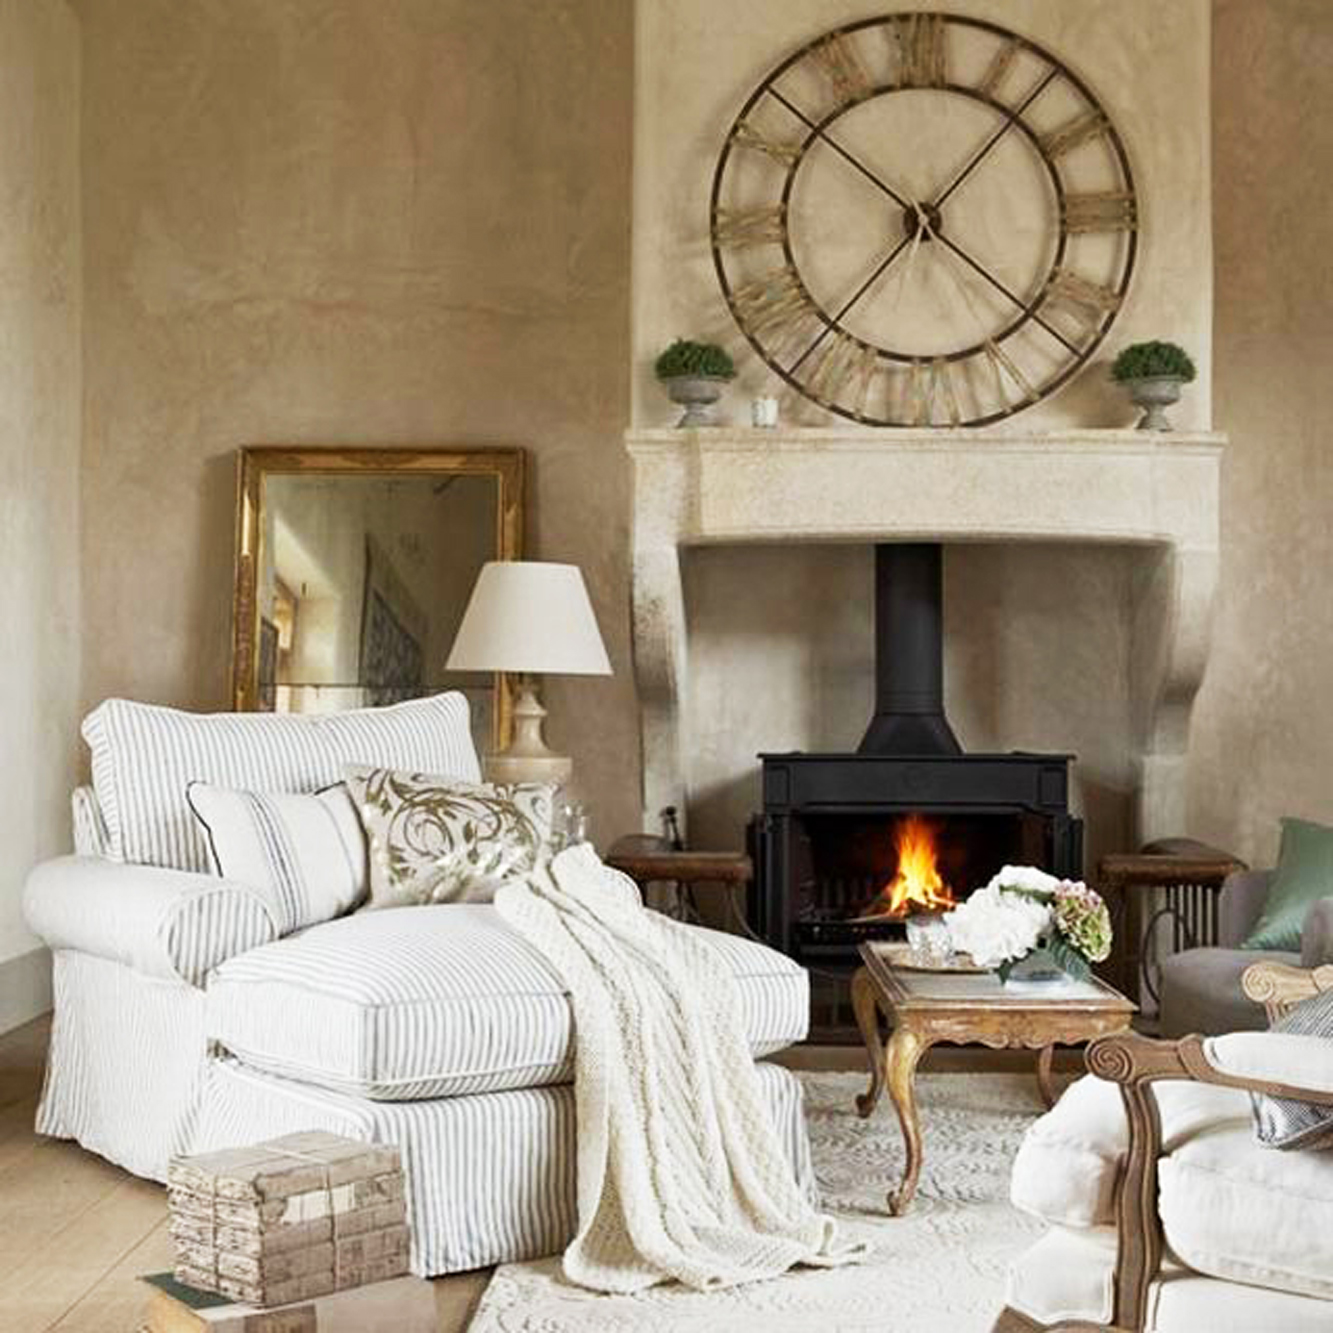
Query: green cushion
x=1304 y=875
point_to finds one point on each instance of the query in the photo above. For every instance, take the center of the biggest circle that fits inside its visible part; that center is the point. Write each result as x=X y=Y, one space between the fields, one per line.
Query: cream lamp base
x=528 y=759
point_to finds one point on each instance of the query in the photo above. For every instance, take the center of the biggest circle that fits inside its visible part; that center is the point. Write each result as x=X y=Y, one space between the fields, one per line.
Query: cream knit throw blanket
x=681 y=1174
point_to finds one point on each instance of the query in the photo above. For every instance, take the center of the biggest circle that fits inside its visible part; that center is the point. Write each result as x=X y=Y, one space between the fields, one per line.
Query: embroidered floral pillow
x=438 y=840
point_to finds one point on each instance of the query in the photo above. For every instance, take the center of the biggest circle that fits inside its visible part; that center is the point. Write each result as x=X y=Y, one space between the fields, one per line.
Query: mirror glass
x=360 y=579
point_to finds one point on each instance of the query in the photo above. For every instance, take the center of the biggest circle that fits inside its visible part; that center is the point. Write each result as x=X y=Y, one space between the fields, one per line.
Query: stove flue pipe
x=909 y=654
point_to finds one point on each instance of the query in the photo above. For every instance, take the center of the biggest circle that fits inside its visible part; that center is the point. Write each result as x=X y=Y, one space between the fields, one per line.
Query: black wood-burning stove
x=836 y=829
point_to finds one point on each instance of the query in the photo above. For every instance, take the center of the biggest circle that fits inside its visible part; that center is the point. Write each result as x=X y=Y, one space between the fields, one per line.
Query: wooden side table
x=648 y=860
x=1174 y=879
x=927 y=1007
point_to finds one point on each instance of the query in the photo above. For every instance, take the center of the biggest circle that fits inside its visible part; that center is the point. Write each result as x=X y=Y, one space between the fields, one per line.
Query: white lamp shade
x=533 y=616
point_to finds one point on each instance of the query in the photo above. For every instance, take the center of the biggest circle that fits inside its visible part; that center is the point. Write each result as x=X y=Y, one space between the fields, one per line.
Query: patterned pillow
x=1282 y=1122
x=438 y=840
x=305 y=854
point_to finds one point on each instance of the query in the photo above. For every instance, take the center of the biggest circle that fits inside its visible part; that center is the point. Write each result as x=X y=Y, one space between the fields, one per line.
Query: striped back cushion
x=144 y=757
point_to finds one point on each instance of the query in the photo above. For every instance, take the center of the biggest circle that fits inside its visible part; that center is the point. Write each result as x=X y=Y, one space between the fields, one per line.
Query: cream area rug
x=939 y=1269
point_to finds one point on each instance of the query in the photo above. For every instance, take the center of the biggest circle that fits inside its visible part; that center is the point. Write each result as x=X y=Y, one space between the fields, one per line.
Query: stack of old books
x=289 y=1220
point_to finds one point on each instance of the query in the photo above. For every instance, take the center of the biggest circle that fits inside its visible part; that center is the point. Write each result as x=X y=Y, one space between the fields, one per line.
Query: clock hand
x=1004 y=290
x=855 y=297
x=1011 y=118
x=898 y=198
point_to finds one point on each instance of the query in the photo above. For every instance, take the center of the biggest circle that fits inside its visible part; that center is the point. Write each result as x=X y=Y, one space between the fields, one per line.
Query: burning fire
x=916 y=883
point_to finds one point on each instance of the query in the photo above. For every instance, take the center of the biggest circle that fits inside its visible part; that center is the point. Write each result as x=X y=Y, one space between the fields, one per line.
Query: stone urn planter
x=1154 y=394
x=694 y=375
x=696 y=394
x=1152 y=373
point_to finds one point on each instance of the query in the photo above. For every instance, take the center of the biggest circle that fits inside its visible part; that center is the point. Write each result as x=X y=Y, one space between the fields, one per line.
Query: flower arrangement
x=1024 y=910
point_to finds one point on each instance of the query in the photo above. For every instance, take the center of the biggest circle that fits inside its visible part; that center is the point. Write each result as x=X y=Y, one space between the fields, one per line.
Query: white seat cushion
x=1235 y=1209
x=1070 y=1160
x=439 y=1001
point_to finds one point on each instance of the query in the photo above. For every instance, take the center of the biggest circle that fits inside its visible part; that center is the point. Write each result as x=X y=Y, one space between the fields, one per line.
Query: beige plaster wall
x=1263 y=731
x=39 y=453
x=1037 y=636
x=345 y=221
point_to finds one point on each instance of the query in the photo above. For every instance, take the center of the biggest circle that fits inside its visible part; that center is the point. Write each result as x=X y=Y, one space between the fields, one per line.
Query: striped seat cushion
x=438 y=1001
x=144 y=757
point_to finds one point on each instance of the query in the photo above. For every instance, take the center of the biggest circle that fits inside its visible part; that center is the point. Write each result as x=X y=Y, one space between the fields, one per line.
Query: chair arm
x=1281 y=1064
x=1317 y=934
x=165 y=923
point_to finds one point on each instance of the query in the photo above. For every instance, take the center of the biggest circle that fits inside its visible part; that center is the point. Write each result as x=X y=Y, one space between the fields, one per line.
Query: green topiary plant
x=1153 y=360
x=698 y=360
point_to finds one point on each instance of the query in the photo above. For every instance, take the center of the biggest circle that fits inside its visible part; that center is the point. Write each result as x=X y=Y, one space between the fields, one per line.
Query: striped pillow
x=1280 y=1122
x=143 y=757
x=304 y=854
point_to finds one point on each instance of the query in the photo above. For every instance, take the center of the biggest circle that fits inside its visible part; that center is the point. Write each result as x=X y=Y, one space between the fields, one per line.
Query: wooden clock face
x=924 y=220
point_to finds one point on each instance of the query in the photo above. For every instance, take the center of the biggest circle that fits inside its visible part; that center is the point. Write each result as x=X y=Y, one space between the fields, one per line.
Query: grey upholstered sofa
x=1201 y=989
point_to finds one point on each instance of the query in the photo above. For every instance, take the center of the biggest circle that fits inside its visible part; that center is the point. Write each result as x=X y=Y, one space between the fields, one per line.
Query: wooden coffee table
x=926 y=1007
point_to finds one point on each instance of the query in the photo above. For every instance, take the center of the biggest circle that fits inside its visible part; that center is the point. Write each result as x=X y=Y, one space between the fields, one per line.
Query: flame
x=916 y=883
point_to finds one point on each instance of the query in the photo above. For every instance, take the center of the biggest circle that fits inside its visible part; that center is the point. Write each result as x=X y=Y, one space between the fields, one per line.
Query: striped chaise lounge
x=184 y=1022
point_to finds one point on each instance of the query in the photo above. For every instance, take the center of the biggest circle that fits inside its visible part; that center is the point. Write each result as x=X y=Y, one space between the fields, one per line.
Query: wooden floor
x=76 y=1233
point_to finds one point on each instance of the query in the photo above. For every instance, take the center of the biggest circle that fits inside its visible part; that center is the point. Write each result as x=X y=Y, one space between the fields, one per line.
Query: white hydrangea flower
x=995 y=927
x=1024 y=877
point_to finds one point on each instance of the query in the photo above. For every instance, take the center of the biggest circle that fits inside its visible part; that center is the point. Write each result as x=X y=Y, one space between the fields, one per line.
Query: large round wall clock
x=924 y=220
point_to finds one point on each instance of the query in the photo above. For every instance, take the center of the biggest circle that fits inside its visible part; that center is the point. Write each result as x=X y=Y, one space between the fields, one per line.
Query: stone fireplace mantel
x=724 y=486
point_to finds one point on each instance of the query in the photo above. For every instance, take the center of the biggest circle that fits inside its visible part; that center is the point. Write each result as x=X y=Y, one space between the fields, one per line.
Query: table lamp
x=529 y=617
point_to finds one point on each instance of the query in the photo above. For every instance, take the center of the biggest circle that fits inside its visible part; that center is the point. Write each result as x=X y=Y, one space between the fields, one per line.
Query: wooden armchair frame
x=1136 y=1063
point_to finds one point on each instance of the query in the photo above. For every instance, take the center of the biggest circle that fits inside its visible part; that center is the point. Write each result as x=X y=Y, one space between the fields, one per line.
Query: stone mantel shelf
x=1158 y=490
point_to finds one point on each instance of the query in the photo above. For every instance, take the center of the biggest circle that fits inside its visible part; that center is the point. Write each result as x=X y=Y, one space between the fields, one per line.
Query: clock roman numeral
x=930 y=385
x=1000 y=65
x=741 y=227
x=830 y=372
x=844 y=70
x=1109 y=210
x=1089 y=302
x=775 y=304
x=1074 y=133
x=942 y=386
x=1002 y=364
x=917 y=43
x=784 y=151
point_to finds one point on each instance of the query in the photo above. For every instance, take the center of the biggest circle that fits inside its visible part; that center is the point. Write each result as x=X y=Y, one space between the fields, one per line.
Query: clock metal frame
x=1115 y=210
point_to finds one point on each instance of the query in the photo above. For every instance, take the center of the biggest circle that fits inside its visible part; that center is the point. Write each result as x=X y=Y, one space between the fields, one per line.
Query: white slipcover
x=163 y=923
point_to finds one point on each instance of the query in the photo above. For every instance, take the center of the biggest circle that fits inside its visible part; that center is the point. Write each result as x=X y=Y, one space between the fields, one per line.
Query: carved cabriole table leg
x=865 y=1004
x=1045 y=1082
x=906 y=1047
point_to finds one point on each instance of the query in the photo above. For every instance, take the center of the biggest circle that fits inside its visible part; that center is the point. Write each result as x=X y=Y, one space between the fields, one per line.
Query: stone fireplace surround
x=1157 y=492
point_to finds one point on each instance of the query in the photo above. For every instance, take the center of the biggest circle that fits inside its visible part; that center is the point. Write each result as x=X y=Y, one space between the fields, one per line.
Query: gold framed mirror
x=353 y=567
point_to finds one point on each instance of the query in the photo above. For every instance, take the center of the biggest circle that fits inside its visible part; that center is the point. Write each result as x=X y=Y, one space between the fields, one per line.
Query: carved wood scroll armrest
x=1280 y=987
x=1135 y=1061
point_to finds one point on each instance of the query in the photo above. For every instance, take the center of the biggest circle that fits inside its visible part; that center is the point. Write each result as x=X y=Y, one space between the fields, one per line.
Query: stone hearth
x=1158 y=492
